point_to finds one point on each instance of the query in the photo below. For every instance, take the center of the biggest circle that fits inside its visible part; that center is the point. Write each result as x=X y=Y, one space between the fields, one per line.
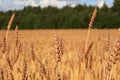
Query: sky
x=20 y=4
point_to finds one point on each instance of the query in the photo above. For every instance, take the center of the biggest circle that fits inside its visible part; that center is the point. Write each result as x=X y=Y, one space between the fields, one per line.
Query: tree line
x=65 y=18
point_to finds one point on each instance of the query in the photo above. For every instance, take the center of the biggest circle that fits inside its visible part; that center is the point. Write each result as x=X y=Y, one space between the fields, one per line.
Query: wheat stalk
x=32 y=53
x=107 y=42
x=9 y=24
x=112 y=59
x=9 y=62
x=87 y=56
x=4 y=45
x=59 y=53
x=16 y=37
x=1 y=74
x=89 y=28
x=10 y=74
x=17 y=54
x=24 y=72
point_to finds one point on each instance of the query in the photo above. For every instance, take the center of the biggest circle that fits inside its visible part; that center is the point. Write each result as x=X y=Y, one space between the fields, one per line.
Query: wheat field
x=89 y=54
x=60 y=55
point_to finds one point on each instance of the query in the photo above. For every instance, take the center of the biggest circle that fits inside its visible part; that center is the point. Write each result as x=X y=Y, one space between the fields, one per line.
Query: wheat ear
x=89 y=27
x=9 y=24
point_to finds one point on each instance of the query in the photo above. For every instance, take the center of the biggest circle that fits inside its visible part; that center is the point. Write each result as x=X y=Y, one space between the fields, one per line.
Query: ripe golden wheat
x=68 y=55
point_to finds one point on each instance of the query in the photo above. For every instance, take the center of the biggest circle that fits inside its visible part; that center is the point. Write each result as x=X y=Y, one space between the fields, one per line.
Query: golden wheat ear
x=59 y=53
x=89 y=27
x=9 y=24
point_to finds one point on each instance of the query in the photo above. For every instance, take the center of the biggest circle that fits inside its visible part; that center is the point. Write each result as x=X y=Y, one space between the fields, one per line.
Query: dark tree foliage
x=116 y=7
x=65 y=18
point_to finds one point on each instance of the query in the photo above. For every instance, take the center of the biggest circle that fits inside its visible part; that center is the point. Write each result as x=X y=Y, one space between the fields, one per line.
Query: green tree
x=116 y=6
